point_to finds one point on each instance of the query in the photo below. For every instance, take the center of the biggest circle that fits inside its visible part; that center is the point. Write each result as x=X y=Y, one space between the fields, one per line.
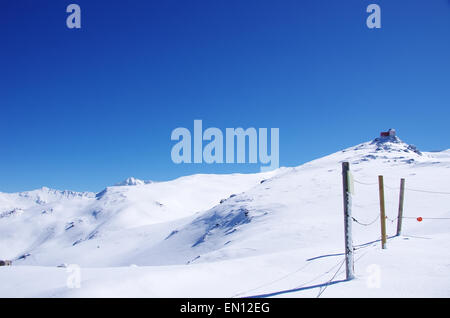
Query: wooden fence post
x=382 y=212
x=400 y=207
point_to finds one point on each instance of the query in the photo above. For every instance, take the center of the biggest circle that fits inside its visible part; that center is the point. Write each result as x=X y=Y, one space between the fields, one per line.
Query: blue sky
x=83 y=109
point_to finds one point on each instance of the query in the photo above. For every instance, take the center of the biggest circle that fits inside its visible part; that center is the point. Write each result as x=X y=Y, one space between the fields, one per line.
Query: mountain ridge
x=256 y=227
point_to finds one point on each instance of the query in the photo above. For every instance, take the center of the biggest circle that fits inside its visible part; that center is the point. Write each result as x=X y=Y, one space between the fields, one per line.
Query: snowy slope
x=276 y=234
x=50 y=227
x=301 y=203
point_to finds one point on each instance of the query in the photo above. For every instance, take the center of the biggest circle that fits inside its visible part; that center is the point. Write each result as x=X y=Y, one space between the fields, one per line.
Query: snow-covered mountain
x=237 y=235
x=132 y=181
x=62 y=226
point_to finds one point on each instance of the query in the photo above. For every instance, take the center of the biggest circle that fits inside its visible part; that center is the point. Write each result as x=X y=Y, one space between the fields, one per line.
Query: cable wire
x=425 y=218
x=366 y=224
x=427 y=191
x=365 y=183
x=417 y=190
x=322 y=289
x=335 y=274
x=395 y=188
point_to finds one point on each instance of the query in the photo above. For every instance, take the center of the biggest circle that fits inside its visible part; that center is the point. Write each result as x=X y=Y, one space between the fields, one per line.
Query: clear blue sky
x=83 y=109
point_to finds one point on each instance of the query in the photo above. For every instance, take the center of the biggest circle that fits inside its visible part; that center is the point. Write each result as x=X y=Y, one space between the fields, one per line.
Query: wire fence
x=396 y=188
x=340 y=264
x=365 y=224
x=392 y=220
x=403 y=217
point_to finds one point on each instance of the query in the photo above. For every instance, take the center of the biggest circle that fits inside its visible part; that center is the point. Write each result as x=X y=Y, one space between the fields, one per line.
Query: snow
x=132 y=181
x=274 y=234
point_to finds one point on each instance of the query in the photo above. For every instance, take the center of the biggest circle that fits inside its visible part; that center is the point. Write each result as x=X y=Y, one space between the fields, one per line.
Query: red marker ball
x=419 y=219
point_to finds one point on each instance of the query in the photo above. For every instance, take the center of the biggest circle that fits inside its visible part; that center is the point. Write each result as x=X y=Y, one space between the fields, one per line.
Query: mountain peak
x=389 y=141
x=389 y=136
x=131 y=181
